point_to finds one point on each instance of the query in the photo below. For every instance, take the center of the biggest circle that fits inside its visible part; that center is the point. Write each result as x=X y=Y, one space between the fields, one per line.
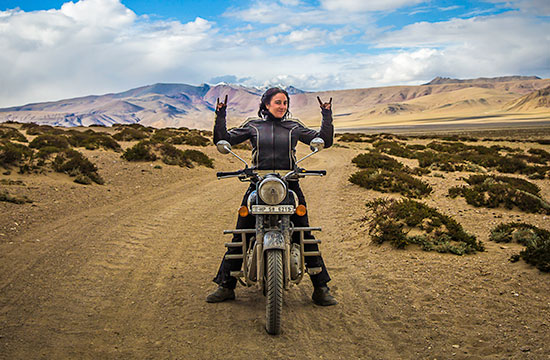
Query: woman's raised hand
x=325 y=106
x=221 y=106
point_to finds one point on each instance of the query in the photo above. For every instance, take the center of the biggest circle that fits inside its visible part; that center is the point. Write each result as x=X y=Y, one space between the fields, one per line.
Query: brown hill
x=177 y=105
x=537 y=100
x=445 y=80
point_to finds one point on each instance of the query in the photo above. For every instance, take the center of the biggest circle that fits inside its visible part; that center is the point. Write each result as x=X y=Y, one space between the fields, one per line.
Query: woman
x=273 y=135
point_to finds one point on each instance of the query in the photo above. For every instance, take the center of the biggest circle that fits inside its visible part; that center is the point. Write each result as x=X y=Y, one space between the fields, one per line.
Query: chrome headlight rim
x=276 y=186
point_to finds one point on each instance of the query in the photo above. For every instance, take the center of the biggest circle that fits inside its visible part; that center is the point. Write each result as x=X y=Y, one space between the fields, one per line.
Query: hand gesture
x=325 y=106
x=221 y=106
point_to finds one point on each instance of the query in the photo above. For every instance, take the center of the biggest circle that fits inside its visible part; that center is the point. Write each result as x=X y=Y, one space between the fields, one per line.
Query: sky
x=52 y=50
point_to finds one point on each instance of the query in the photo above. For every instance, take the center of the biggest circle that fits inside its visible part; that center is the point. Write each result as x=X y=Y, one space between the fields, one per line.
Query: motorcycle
x=270 y=259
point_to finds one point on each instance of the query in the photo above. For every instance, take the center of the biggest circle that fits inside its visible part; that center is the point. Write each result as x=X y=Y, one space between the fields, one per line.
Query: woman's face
x=278 y=105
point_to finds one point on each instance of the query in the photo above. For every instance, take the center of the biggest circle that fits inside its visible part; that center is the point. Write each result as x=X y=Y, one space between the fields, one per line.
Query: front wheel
x=274 y=293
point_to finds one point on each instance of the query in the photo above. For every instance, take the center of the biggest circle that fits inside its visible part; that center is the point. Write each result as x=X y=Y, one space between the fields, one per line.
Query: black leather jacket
x=274 y=140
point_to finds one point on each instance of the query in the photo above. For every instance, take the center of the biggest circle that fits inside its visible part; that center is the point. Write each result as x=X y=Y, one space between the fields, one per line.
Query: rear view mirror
x=317 y=144
x=223 y=146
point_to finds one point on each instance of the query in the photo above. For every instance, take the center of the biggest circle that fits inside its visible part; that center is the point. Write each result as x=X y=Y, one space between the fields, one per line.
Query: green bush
x=391 y=181
x=142 y=151
x=375 y=160
x=393 y=220
x=536 y=241
x=493 y=191
x=35 y=129
x=174 y=156
x=162 y=135
x=77 y=165
x=46 y=151
x=394 y=148
x=196 y=140
x=13 y=153
x=447 y=156
x=135 y=126
x=92 y=140
x=352 y=137
x=131 y=134
x=199 y=157
x=50 y=140
x=9 y=133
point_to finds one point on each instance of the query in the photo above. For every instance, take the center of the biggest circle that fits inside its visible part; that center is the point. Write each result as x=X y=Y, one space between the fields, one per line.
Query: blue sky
x=54 y=49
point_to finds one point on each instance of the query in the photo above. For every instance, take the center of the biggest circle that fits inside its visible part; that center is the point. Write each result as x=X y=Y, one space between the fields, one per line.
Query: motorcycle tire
x=274 y=293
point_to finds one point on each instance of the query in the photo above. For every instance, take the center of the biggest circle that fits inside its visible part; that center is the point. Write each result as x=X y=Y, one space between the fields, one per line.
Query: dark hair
x=266 y=99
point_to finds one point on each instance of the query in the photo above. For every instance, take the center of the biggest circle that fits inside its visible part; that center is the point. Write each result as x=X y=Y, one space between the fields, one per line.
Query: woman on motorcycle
x=273 y=135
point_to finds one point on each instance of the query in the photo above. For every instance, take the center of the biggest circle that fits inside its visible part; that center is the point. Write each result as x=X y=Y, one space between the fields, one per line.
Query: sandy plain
x=121 y=271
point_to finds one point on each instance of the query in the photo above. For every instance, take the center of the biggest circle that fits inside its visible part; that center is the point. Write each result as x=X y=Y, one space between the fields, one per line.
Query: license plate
x=273 y=209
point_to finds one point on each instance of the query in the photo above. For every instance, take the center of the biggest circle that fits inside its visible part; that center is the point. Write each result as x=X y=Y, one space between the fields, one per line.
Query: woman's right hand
x=221 y=107
x=325 y=106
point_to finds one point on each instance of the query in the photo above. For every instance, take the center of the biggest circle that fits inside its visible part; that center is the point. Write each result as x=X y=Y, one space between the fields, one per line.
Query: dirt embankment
x=122 y=270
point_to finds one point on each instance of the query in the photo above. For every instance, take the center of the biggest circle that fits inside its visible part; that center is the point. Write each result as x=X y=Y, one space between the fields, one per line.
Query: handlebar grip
x=319 y=172
x=229 y=173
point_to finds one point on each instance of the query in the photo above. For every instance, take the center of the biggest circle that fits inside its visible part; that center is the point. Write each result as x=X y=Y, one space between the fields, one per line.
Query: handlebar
x=224 y=174
x=311 y=172
x=248 y=174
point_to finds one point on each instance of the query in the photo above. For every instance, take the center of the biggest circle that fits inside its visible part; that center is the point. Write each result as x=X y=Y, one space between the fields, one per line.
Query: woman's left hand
x=325 y=106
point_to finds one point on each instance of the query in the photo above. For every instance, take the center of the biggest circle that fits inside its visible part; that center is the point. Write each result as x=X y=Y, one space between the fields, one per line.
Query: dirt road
x=128 y=279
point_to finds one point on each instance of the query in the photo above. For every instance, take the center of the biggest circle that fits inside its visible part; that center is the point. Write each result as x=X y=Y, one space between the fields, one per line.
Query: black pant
x=224 y=278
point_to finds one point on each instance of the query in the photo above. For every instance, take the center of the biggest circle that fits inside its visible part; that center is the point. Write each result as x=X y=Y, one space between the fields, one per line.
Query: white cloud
x=92 y=46
x=363 y=5
x=537 y=7
x=482 y=46
x=298 y=15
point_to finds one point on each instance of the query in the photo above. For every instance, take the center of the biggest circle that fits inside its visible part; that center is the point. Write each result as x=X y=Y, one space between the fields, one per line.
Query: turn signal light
x=243 y=211
x=301 y=210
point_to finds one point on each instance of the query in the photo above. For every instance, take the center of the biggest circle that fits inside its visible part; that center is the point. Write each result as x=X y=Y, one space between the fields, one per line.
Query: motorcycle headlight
x=272 y=190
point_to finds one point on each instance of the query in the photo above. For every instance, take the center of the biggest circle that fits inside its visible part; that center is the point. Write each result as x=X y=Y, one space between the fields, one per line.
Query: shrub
x=174 y=156
x=134 y=126
x=77 y=165
x=375 y=160
x=50 y=140
x=199 y=157
x=46 y=151
x=536 y=241
x=131 y=134
x=142 y=151
x=35 y=129
x=9 y=133
x=543 y=154
x=92 y=140
x=448 y=156
x=196 y=140
x=13 y=153
x=393 y=220
x=394 y=148
x=162 y=135
x=493 y=191
x=352 y=137
x=391 y=181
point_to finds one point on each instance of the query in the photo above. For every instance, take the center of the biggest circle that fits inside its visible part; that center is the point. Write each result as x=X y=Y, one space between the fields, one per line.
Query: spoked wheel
x=274 y=291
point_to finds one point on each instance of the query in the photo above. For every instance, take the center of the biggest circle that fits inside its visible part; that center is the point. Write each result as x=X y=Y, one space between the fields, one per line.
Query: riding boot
x=221 y=294
x=321 y=296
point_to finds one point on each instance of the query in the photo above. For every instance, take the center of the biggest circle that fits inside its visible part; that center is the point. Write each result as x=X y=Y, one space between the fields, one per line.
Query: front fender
x=274 y=240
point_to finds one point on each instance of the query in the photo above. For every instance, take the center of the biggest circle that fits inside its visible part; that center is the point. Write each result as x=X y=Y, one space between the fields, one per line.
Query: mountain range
x=177 y=105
